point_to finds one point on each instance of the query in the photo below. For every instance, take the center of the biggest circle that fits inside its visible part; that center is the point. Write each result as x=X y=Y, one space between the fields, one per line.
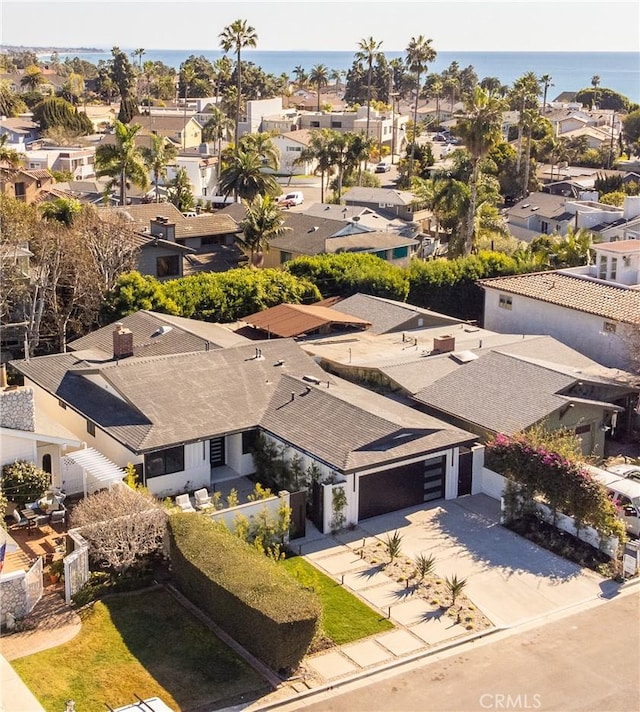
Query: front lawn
x=345 y=618
x=147 y=645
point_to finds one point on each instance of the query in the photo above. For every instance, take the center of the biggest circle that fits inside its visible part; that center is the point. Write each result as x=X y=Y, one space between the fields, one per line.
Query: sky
x=456 y=25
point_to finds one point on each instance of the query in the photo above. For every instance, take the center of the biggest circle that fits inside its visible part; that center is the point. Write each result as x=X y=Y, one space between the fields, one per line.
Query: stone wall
x=13 y=591
x=17 y=409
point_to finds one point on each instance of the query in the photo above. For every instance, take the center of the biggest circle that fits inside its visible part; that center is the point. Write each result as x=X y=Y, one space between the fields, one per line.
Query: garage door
x=400 y=487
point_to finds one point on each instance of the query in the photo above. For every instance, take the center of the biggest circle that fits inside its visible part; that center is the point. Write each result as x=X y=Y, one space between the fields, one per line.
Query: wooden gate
x=298 y=504
x=465 y=472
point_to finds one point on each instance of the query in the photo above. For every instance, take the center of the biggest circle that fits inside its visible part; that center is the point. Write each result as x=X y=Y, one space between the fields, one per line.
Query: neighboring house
x=20 y=131
x=162 y=259
x=387 y=315
x=290 y=145
x=255 y=111
x=185 y=132
x=27 y=186
x=401 y=204
x=211 y=237
x=189 y=420
x=591 y=309
x=201 y=170
x=79 y=162
x=547 y=214
x=480 y=380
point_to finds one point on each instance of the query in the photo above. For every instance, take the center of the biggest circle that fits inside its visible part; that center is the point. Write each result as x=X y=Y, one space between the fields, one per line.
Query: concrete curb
x=329 y=686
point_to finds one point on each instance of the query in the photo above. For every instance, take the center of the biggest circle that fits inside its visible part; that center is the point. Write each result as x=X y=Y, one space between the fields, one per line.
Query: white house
x=290 y=145
x=592 y=309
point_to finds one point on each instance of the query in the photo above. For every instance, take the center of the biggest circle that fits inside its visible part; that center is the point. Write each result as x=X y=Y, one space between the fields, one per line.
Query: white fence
x=250 y=509
x=494 y=484
x=76 y=565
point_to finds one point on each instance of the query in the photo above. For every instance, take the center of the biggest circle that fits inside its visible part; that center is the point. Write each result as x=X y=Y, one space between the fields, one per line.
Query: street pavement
x=585 y=662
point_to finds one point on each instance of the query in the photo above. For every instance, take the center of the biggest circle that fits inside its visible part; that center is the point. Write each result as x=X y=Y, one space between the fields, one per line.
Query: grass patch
x=345 y=618
x=144 y=644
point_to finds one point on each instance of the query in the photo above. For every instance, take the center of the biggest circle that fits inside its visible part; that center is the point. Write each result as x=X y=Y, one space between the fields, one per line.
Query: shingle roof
x=200 y=226
x=328 y=424
x=388 y=196
x=388 y=315
x=606 y=300
x=498 y=392
x=287 y=320
x=177 y=398
x=147 y=338
x=544 y=204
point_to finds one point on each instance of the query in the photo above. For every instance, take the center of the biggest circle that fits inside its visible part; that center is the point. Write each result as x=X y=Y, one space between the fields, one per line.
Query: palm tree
x=545 y=80
x=419 y=53
x=216 y=129
x=320 y=77
x=595 y=83
x=243 y=177
x=139 y=54
x=180 y=192
x=32 y=77
x=262 y=223
x=319 y=149
x=264 y=146
x=300 y=75
x=8 y=156
x=480 y=131
x=236 y=37
x=368 y=51
x=62 y=210
x=336 y=75
x=156 y=157
x=188 y=75
x=121 y=161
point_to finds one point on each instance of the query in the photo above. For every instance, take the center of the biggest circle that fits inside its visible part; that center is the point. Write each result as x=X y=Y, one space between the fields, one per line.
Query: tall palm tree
x=262 y=223
x=419 y=54
x=319 y=150
x=156 y=157
x=368 y=51
x=243 y=176
x=595 y=83
x=481 y=131
x=216 y=129
x=336 y=75
x=121 y=161
x=546 y=82
x=188 y=75
x=300 y=75
x=236 y=37
x=139 y=54
x=320 y=77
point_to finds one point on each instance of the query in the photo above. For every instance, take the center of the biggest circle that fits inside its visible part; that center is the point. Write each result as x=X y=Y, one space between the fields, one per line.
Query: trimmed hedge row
x=246 y=594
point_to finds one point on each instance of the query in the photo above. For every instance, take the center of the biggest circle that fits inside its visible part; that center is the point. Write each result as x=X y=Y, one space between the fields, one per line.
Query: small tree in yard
x=424 y=565
x=393 y=545
x=455 y=586
x=23 y=482
x=121 y=526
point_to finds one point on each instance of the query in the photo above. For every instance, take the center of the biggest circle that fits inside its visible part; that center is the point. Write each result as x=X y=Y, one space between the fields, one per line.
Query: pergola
x=95 y=467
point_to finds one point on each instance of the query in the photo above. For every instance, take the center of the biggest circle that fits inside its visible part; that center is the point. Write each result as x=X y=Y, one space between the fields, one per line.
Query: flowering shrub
x=563 y=483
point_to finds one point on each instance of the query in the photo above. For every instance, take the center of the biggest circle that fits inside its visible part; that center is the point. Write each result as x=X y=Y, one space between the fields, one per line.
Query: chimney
x=157 y=226
x=444 y=344
x=122 y=342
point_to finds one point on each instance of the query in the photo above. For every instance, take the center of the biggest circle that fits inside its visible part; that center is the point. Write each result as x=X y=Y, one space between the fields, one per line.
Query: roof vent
x=165 y=329
x=311 y=379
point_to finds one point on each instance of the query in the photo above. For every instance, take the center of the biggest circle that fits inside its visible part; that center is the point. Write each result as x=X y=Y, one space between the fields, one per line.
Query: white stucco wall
x=14 y=448
x=236 y=460
x=579 y=330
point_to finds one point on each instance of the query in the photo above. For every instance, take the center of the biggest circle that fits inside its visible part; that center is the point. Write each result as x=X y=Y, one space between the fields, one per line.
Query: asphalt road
x=588 y=662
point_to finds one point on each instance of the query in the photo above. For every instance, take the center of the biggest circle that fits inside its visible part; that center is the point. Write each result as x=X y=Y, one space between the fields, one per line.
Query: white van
x=625 y=494
x=294 y=198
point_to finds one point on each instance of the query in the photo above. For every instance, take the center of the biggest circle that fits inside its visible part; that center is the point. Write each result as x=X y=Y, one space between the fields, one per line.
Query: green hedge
x=246 y=594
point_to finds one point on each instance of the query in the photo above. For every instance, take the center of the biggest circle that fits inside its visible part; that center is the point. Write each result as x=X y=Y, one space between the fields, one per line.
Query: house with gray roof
x=189 y=419
x=593 y=309
x=395 y=203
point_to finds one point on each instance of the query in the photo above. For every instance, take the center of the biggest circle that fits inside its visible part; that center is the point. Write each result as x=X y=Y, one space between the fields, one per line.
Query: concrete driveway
x=508 y=578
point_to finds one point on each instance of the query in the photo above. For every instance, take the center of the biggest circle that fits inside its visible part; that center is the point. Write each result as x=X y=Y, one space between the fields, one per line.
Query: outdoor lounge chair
x=203 y=499
x=59 y=516
x=183 y=501
x=19 y=520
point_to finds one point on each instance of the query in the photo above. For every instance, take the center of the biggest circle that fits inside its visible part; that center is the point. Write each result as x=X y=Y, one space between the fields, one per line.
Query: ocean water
x=570 y=71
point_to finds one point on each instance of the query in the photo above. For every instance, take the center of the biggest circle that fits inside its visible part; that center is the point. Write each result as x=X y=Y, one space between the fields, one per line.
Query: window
x=164 y=462
x=399 y=252
x=294 y=149
x=613 y=272
x=168 y=266
x=336 y=124
x=249 y=441
x=609 y=327
x=285 y=256
x=21 y=192
x=544 y=227
x=505 y=302
x=46 y=463
x=62 y=404
x=602 y=268
x=314 y=124
x=91 y=428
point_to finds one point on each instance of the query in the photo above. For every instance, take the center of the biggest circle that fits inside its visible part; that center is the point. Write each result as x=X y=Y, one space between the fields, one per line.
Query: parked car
x=631 y=472
x=441 y=138
x=625 y=494
x=289 y=199
x=383 y=167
